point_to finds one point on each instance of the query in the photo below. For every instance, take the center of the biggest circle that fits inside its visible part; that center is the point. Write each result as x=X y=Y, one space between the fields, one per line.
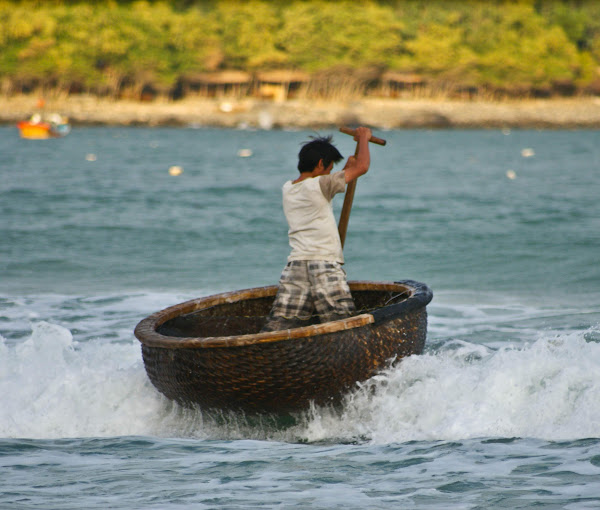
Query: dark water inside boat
x=501 y=411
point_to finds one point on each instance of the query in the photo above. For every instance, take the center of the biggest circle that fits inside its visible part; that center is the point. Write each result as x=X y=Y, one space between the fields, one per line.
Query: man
x=313 y=279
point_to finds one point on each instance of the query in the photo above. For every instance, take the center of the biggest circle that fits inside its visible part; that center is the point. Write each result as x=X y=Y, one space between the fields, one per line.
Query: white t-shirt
x=313 y=233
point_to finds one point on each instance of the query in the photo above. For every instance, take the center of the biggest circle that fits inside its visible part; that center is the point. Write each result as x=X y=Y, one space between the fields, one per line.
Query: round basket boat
x=209 y=352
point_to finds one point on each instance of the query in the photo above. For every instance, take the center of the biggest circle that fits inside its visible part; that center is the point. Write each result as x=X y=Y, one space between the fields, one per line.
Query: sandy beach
x=253 y=113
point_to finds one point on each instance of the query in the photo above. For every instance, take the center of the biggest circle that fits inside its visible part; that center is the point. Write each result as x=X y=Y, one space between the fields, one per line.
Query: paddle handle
x=351 y=188
x=352 y=132
x=347 y=206
x=345 y=214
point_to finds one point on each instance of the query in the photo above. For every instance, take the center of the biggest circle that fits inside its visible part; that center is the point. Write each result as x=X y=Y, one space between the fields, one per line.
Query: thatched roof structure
x=282 y=76
x=219 y=78
x=397 y=77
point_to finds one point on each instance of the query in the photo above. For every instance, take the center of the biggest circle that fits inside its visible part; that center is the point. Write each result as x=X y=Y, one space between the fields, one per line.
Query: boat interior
x=248 y=314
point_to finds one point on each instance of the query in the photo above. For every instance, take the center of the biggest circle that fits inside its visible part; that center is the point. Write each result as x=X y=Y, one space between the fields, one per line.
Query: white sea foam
x=84 y=380
x=548 y=389
x=60 y=381
x=54 y=387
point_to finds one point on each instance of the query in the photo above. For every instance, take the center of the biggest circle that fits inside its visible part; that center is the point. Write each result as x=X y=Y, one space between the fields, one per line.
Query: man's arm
x=359 y=165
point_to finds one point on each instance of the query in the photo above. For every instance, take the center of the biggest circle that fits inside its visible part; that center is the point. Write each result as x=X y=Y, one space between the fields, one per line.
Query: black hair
x=315 y=150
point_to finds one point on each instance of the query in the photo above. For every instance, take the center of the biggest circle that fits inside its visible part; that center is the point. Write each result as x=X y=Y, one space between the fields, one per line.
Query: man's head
x=316 y=150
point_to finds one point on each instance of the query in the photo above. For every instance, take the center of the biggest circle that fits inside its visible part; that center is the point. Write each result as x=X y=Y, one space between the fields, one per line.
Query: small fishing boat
x=40 y=127
x=209 y=352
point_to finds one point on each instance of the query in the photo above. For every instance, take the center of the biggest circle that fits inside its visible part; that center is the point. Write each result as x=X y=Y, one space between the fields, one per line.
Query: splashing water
x=54 y=386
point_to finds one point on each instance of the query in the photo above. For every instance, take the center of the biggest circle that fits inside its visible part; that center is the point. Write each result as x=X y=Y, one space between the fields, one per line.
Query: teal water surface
x=501 y=411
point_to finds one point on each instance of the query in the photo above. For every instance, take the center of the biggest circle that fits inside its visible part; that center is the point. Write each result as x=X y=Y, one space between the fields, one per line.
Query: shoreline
x=379 y=113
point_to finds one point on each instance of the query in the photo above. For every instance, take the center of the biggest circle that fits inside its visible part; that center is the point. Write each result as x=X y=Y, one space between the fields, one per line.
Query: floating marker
x=175 y=170
x=511 y=174
x=527 y=153
x=244 y=153
x=90 y=157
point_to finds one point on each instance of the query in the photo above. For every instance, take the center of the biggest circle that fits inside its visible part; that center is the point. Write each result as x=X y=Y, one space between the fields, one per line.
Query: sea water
x=502 y=410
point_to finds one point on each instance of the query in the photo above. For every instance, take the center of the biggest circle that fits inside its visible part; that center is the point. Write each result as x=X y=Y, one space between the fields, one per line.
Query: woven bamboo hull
x=208 y=352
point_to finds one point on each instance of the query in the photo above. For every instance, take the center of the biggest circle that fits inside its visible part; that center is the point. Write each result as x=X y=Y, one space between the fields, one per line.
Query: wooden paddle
x=351 y=188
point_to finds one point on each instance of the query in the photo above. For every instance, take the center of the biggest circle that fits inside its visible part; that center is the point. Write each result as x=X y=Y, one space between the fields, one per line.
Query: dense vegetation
x=117 y=47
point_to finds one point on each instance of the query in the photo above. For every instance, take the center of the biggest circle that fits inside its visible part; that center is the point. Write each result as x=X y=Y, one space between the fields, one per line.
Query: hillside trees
x=120 y=47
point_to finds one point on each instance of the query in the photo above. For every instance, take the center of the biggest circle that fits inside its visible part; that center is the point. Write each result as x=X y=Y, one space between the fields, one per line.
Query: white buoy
x=527 y=153
x=244 y=153
x=511 y=174
x=90 y=157
x=175 y=170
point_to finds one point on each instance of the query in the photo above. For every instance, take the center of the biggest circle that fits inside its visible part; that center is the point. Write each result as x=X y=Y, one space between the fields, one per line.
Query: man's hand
x=362 y=132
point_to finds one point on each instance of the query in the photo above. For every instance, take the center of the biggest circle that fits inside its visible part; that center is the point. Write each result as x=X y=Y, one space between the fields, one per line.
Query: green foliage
x=321 y=35
x=109 y=45
x=248 y=32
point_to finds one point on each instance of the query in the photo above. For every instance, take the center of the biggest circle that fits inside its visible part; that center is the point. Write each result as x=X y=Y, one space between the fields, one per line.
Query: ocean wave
x=78 y=372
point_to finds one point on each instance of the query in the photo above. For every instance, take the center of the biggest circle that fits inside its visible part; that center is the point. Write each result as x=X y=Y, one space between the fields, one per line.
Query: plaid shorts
x=306 y=287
